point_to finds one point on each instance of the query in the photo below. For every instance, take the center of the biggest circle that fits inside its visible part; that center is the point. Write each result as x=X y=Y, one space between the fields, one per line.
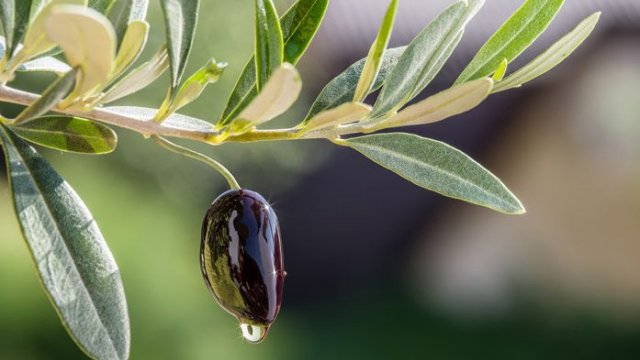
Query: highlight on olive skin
x=241 y=260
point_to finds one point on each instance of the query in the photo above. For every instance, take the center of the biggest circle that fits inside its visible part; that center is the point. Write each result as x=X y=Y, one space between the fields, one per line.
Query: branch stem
x=233 y=184
x=149 y=127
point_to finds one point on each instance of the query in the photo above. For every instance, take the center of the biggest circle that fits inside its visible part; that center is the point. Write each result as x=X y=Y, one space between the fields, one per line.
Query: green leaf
x=74 y=264
x=102 y=6
x=36 y=41
x=70 y=134
x=175 y=121
x=498 y=75
x=342 y=88
x=180 y=17
x=443 y=105
x=3 y=45
x=50 y=98
x=88 y=42
x=119 y=14
x=513 y=37
x=123 y=12
x=269 y=42
x=45 y=64
x=138 y=10
x=36 y=5
x=550 y=57
x=278 y=95
x=424 y=57
x=343 y=114
x=374 y=59
x=14 y=16
x=194 y=86
x=139 y=78
x=299 y=25
x=131 y=46
x=438 y=167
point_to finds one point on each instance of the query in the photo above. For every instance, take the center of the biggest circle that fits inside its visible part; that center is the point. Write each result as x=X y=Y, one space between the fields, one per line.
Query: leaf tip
x=500 y=72
x=488 y=82
x=520 y=211
x=516 y=207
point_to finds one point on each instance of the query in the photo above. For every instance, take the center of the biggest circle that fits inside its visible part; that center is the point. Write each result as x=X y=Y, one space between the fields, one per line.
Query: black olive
x=241 y=259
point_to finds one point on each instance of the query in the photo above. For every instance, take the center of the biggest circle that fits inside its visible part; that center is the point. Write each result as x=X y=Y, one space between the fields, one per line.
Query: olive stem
x=233 y=184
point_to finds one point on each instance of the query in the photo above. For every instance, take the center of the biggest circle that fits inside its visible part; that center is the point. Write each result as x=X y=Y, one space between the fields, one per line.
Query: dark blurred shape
x=573 y=158
x=377 y=325
x=352 y=25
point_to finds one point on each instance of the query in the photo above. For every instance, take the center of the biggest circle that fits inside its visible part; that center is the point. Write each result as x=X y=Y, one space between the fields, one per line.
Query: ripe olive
x=241 y=259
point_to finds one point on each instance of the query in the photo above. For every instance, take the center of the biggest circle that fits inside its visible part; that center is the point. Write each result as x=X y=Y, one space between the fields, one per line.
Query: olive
x=241 y=259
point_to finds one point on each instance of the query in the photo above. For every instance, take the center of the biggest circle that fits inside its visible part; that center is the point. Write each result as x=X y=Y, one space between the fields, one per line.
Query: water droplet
x=254 y=333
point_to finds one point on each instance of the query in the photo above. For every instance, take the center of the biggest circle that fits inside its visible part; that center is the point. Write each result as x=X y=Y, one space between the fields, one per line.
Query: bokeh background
x=377 y=267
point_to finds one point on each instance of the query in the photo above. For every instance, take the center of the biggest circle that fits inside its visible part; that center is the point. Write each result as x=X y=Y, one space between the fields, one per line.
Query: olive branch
x=92 y=45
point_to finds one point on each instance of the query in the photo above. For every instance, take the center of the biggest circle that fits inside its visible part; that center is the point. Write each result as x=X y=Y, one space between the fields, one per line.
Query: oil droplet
x=254 y=333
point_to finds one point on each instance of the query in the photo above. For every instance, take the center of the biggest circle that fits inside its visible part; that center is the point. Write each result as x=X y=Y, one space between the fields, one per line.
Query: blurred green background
x=149 y=204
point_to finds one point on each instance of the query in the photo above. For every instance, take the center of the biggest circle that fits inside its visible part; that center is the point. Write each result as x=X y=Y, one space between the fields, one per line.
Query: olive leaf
x=269 y=42
x=36 y=40
x=513 y=37
x=343 y=114
x=424 y=57
x=131 y=46
x=374 y=58
x=500 y=72
x=72 y=259
x=14 y=18
x=44 y=64
x=280 y=92
x=342 y=88
x=138 y=10
x=550 y=57
x=49 y=99
x=175 y=121
x=139 y=78
x=443 y=105
x=124 y=12
x=101 y=6
x=121 y=12
x=196 y=83
x=180 y=17
x=299 y=25
x=118 y=15
x=438 y=167
x=36 y=5
x=88 y=42
x=69 y=134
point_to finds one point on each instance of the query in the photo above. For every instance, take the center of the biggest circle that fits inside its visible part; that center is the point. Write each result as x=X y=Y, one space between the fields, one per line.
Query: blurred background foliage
x=377 y=268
